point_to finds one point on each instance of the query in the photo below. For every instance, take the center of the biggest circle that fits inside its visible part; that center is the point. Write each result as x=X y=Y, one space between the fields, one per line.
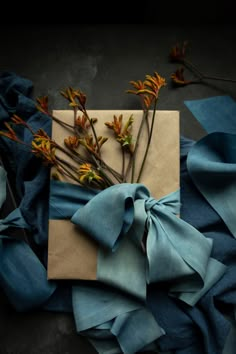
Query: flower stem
x=102 y=164
x=218 y=78
x=123 y=164
x=64 y=171
x=64 y=124
x=201 y=75
x=93 y=130
x=72 y=154
x=75 y=116
x=133 y=156
x=148 y=142
x=73 y=168
x=193 y=67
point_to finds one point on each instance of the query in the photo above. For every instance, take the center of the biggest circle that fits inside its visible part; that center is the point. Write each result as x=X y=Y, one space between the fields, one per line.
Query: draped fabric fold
x=22 y=276
x=126 y=323
x=15 y=219
x=99 y=309
x=215 y=114
x=212 y=160
x=175 y=252
x=212 y=166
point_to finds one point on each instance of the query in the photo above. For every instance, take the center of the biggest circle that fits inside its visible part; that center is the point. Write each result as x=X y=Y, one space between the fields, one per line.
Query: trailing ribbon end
x=174 y=251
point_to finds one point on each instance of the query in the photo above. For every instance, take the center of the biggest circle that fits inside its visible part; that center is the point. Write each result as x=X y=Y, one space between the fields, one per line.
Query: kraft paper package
x=71 y=253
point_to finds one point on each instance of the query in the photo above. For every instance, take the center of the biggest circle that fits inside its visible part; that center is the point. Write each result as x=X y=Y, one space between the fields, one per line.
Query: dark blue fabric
x=32 y=183
x=31 y=176
x=215 y=114
x=22 y=275
x=203 y=328
x=11 y=86
x=212 y=166
x=189 y=330
x=175 y=251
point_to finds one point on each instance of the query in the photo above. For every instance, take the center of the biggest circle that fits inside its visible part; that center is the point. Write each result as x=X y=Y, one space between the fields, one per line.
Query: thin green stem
x=218 y=78
x=123 y=164
x=148 y=142
x=102 y=164
x=73 y=168
x=193 y=67
x=75 y=116
x=72 y=154
x=63 y=170
x=102 y=172
x=202 y=76
x=93 y=130
x=133 y=157
x=64 y=124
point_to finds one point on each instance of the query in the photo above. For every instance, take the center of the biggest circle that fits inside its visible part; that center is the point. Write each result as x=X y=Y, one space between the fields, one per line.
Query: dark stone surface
x=101 y=60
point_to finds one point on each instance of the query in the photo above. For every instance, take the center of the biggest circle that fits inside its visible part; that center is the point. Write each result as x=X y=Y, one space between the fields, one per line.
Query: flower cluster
x=82 y=149
x=178 y=54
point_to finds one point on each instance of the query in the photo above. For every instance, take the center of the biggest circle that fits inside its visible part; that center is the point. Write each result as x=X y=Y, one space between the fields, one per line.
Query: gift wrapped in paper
x=72 y=253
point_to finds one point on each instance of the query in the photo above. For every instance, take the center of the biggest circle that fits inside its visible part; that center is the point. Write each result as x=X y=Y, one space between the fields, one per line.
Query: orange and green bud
x=178 y=52
x=89 y=175
x=44 y=148
x=71 y=142
x=178 y=78
x=42 y=104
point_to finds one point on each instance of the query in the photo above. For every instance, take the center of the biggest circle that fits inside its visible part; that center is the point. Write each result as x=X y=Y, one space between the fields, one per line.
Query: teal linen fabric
x=212 y=162
x=175 y=252
x=215 y=114
x=212 y=167
x=101 y=310
x=15 y=219
x=124 y=269
x=22 y=276
x=66 y=198
x=188 y=329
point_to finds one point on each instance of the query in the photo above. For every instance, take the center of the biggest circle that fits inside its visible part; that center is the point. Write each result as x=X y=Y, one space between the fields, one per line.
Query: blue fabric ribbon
x=212 y=166
x=212 y=162
x=215 y=114
x=175 y=250
x=22 y=276
x=14 y=219
x=189 y=330
x=101 y=310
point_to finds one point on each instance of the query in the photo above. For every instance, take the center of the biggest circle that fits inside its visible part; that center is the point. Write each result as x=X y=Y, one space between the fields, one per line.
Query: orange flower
x=81 y=97
x=123 y=134
x=178 y=78
x=155 y=82
x=149 y=89
x=44 y=148
x=178 y=53
x=71 y=142
x=88 y=174
x=10 y=134
x=90 y=145
x=82 y=123
x=71 y=95
x=19 y=121
x=138 y=85
x=116 y=125
x=42 y=104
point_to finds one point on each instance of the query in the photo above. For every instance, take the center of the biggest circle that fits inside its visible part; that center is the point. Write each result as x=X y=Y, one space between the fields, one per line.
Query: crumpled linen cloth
x=177 y=326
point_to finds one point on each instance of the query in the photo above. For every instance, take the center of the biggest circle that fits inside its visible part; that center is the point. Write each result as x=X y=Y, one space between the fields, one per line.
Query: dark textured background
x=101 y=59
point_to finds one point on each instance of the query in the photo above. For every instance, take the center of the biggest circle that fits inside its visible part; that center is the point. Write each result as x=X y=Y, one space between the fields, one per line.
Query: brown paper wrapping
x=71 y=253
